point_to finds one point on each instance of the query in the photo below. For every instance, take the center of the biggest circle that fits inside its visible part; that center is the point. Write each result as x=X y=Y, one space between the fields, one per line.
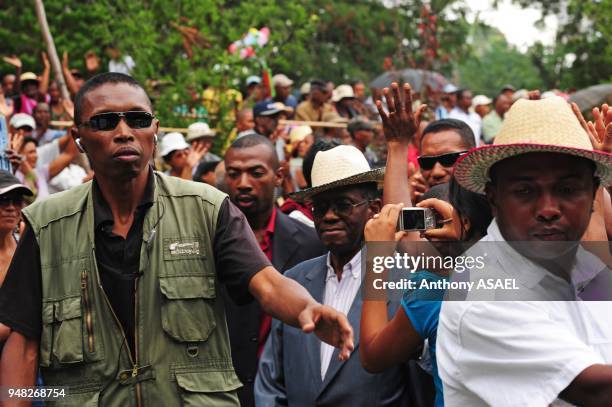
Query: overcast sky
x=516 y=23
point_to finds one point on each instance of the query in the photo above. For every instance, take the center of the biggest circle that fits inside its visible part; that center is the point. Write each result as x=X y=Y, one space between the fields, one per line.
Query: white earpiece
x=78 y=143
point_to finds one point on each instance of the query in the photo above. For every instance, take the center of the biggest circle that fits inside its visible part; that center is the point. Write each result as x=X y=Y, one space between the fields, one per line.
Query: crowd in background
x=304 y=166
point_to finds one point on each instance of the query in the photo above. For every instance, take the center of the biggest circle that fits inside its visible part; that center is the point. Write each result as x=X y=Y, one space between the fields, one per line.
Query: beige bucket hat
x=199 y=130
x=531 y=126
x=339 y=167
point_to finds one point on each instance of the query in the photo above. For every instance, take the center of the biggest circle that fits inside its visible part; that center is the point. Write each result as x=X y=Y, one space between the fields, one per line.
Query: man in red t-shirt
x=252 y=175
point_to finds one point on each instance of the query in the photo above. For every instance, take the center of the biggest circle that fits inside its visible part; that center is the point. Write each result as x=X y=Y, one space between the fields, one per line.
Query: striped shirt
x=340 y=295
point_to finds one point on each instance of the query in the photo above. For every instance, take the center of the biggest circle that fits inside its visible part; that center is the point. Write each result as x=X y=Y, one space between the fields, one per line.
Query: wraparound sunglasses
x=109 y=120
x=446 y=160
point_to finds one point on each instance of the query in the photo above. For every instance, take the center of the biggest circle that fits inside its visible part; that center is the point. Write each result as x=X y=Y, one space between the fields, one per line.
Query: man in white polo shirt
x=540 y=177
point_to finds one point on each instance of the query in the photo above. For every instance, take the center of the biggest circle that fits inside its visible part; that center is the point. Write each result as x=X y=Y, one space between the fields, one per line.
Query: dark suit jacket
x=290 y=367
x=292 y=243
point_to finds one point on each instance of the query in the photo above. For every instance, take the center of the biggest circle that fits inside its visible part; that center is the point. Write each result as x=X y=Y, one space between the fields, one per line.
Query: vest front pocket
x=62 y=334
x=187 y=308
x=208 y=388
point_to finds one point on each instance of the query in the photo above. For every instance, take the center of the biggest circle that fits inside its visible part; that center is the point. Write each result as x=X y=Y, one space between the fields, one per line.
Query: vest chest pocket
x=187 y=308
x=62 y=333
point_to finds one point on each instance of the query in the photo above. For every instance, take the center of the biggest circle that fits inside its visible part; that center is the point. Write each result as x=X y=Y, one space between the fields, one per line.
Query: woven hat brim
x=472 y=169
x=376 y=175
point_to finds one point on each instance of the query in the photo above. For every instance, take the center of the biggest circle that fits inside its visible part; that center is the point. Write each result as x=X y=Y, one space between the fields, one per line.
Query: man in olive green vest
x=114 y=288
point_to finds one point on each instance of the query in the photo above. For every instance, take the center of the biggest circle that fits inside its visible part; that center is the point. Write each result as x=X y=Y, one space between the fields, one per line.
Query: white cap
x=299 y=133
x=281 y=80
x=481 y=100
x=343 y=91
x=305 y=88
x=22 y=119
x=198 y=130
x=172 y=142
x=450 y=88
x=253 y=79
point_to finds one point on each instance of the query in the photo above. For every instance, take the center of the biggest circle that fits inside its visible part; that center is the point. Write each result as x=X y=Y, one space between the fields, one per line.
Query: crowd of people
x=140 y=267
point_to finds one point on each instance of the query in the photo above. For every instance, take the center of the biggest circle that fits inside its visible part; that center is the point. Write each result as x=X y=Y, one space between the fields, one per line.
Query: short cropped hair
x=460 y=127
x=252 y=140
x=97 y=81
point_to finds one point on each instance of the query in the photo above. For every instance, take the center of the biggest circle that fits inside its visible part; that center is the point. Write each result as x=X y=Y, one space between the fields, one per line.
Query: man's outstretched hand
x=401 y=123
x=330 y=326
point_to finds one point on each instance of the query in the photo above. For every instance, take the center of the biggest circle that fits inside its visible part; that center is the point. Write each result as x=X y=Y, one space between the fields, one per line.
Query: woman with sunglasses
x=12 y=193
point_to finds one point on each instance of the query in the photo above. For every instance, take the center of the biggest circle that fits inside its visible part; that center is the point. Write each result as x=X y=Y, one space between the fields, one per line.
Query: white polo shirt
x=521 y=353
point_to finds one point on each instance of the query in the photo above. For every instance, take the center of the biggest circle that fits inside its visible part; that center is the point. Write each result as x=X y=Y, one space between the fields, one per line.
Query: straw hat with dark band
x=339 y=167
x=533 y=126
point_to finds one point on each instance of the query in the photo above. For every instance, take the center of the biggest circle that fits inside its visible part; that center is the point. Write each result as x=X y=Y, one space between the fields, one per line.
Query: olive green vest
x=182 y=352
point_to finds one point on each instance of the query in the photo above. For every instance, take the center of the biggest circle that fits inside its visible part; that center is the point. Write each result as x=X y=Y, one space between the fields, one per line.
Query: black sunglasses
x=446 y=160
x=340 y=208
x=109 y=120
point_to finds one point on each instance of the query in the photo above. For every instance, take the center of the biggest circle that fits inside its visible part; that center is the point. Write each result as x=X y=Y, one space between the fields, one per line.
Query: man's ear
x=278 y=177
x=491 y=193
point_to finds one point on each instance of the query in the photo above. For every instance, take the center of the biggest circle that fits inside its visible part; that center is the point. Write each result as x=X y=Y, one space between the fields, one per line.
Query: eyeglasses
x=109 y=120
x=446 y=160
x=340 y=208
x=11 y=200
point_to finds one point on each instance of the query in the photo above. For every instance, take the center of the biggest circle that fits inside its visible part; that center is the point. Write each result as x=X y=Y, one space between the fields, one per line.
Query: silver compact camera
x=412 y=219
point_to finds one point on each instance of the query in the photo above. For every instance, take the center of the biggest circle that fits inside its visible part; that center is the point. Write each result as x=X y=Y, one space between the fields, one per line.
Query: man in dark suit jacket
x=295 y=370
x=252 y=174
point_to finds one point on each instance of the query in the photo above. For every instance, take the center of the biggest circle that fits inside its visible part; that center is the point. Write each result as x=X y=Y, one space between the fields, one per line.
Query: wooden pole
x=51 y=51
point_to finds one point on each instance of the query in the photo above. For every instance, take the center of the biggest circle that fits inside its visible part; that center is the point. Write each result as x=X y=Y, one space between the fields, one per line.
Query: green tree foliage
x=582 y=53
x=338 y=41
x=494 y=63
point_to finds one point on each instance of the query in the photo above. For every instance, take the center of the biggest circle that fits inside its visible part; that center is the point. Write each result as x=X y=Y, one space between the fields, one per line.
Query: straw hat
x=198 y=130
x=531 y=126
x=28 y=76
x=299 y=133
x=339 y=167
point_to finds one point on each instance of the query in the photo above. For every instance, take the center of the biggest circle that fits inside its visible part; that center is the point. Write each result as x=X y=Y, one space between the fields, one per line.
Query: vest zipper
x=88 y=317
x=138 y=389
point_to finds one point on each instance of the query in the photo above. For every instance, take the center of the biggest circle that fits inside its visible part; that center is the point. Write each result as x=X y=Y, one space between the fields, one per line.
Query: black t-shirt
x=237 y=259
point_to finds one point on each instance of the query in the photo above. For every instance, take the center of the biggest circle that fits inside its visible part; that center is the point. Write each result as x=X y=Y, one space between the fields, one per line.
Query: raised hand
x=198 y=150
x=401 y=124
x=600 y=132
x=13 y=60
x=16 y=140
x=65 y=62
x=602 y=128
x=45 y=60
